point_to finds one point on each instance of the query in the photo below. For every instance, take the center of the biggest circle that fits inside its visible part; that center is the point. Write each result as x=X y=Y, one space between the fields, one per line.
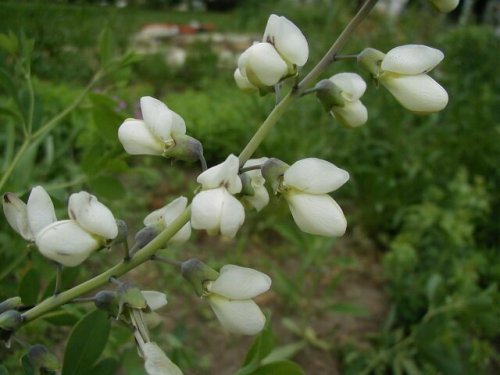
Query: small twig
x=126 y=251
x=59 y=268
x=114 y=280
x=277 y=93
x=345 y=57
x=161 y=259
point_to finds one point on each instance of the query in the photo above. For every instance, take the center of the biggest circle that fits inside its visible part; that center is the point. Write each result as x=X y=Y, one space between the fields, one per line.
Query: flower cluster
x=283 y=49
x=68 y=242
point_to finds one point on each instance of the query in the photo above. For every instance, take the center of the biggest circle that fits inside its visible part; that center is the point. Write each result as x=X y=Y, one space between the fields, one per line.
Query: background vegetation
x=422 y=202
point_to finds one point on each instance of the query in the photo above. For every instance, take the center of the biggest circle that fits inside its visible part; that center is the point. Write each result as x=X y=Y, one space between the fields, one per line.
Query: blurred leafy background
x=413 y=286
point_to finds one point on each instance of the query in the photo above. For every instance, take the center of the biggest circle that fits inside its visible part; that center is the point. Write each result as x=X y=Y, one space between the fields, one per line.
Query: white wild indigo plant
x=225 y=191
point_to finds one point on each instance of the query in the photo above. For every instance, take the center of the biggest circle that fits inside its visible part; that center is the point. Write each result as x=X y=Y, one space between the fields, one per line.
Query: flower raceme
x=305 y=186
x=215 y=209
x=403 y=71
x=230 y=297
x=283 y=49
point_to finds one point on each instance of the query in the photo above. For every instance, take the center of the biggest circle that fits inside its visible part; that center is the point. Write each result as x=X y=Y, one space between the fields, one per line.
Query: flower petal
x=287 y=39
x=182 y=235
x=178 y=124
x=411 y=59
x=16 y=213
x=156 y=361
x=174 y=209
x=92 y=215
x=206 y=209
x=419 y=93
x=138 y=140
x=225 y=173
x=40 y=210
x=260 y=199
x=262 y=65
x=242 y=82
x=352 y=85
x=232 y=215
x=155 y=300
x=243 y=317
x=235 y=282
x=317 y=214
x=66 y=242
x=158 y=117
x=317 y=176
x=352 y=114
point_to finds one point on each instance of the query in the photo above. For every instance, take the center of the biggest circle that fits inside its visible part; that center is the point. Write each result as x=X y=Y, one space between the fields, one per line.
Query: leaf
x=9 y=43
x=433 y=283
x=106 y=120
x=410 y=367
x=284 y=352
x=61 y=317
x=107 y=366
x=3 y=370
x=27 y=366
x=261 y=347
x=349 y=309
x=280 y=368
x=105 y=43
x=86 y=343
x=29 y=287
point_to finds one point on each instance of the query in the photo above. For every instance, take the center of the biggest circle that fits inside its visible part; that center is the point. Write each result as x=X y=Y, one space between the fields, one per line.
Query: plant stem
x=19 y=154
x=345 y=57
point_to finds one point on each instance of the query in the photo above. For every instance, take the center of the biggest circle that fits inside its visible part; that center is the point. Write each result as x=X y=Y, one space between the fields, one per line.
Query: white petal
x=157 y=362
x=243 y=317
x=40 y=210
x=225 y=173
x=352 y=114
x=263 y=65
x=232 y=215
x=418 y=93
x=206 y=209
x=317 y=214
x=174 y=209
x=182 y=235
x=254 y=162
x=92 y=215
x=155 y=300
x=66 y=242
x=178 y=125
x=287 y=39
x=138 y=140
x=411 y=59
x=243 y=83
x=315 y=176
x=15 y=211
x=352 y=85
x=260 y=199
x=158 y=117
x=155 y=218
x=235 y=282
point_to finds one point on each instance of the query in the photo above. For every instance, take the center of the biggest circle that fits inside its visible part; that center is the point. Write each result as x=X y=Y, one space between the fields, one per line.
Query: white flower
x=230 y=297
x=155 y=300
x=156 y=361
x=282 y=50
x=70 y=242
x=403 y=72
x=29 y=219
x=445 y=6
x=305 y=186
x=214 y=208
x=156 y=133
x=260 y=199
x=353 y=113
x=165 y=216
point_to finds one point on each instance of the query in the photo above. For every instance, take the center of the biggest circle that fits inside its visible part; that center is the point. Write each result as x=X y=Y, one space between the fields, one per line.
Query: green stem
x=19 y=154
x=31 y=109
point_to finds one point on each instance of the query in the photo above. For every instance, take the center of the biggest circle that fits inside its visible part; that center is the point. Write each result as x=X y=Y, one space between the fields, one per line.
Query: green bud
x=130 y=296
x=186 y=148
x=329 y=94
x=273 y=171
x=10 y=320
x=10 y=304
x=41 y=359
x=122 y=232
x=370 y=60
x=145 y=236
x=246 y=182
x=107 y=300
x=198 y=273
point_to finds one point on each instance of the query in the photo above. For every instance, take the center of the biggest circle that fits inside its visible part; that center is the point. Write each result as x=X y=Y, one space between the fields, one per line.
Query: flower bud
x=186 y=148
x=107 y=300
x=16 y=213
x=273 y=171
x=370 y=60
x=10 y=304
x=329 y=94
x=122 y=232
x=145 y=236
x=198 y=273
x=10 y=320
x=42 y=360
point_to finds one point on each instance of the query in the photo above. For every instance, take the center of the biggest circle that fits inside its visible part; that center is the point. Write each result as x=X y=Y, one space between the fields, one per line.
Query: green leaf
x=261 y=347
x=27 y=367
x=105 y=46
x=9 y=43
x=349 y=309
x=107 y=366
x=106 y=120
x=86 y=343
x=61 y=317
x=29 y=287
x=3 y=370
x=280 y=368
x=284 y=352
x=433 y=283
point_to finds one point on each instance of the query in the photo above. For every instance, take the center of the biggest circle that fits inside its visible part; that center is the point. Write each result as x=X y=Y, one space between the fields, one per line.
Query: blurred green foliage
x=424 y=188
